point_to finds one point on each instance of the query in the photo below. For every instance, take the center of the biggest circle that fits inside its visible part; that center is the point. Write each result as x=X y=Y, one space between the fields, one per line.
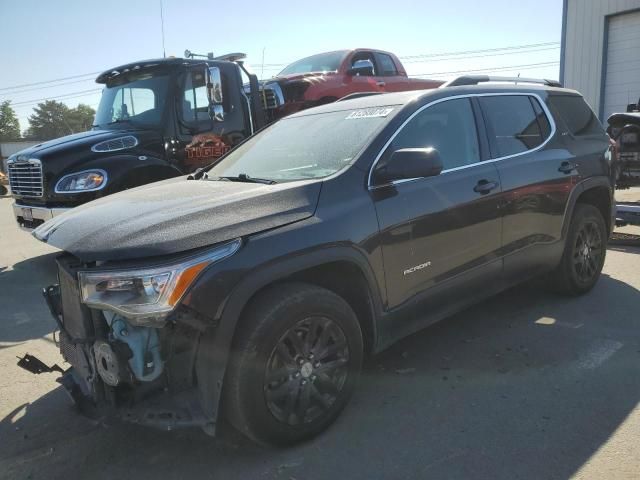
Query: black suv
x=252 y=290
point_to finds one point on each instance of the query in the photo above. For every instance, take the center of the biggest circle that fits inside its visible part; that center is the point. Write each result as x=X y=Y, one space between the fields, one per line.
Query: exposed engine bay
x=143 y=374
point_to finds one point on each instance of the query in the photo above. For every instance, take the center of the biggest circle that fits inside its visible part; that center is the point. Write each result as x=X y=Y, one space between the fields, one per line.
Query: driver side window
x=449 y=127
x=194 y=102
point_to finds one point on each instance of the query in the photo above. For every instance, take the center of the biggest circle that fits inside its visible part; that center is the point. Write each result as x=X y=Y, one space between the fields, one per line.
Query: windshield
x=309 y=146
x=323 y=62
x=139 y=101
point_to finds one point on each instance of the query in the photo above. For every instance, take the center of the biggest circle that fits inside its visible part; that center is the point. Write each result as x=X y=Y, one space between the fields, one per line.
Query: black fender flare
x=216 y=345
x=583 y=186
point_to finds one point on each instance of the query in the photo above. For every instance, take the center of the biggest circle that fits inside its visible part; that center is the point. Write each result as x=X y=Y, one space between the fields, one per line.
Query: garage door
x=622 y=81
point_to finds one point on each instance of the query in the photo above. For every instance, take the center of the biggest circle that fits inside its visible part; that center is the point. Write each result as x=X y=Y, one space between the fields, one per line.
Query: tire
x=584 y=252
x=297 y=346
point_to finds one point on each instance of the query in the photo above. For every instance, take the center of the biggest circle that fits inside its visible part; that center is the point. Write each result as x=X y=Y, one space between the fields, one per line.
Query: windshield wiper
x=243 y=177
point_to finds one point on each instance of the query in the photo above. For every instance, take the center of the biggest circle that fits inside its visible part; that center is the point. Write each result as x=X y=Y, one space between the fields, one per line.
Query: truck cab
x=156 y=119
x=326 y=77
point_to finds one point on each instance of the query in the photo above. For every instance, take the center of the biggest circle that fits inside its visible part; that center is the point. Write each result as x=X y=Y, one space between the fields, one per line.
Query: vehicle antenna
x=164 y=53
x=262 y=68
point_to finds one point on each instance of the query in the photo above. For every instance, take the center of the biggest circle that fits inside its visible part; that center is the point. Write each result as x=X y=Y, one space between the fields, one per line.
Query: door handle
x=567 y=167
x=380 y=84
x=485 y=186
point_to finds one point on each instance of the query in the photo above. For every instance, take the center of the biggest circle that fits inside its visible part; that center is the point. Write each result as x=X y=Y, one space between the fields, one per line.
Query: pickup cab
x=327 y=77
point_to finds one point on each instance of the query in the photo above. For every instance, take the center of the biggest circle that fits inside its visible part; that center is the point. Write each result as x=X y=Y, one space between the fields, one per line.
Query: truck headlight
x=147 y=296
x=86 y=181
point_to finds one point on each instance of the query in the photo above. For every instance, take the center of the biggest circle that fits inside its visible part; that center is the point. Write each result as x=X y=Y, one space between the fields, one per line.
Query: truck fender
x=215 y=345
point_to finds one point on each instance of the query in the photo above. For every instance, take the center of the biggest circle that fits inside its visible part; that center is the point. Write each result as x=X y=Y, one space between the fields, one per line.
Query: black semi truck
x=156 y=119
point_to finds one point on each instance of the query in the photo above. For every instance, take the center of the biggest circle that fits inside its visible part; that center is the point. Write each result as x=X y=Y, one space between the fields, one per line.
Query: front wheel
x=584 y=252
x=294 y=364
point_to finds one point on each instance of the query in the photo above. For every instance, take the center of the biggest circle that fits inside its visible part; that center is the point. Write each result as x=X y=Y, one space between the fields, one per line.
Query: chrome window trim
x=71 y=192
x=543 y=105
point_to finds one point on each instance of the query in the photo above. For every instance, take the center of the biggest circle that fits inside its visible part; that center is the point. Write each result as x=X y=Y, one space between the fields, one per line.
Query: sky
x=44 y=40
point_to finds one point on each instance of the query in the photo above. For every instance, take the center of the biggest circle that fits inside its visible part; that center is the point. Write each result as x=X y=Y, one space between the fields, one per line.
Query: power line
x=82 y=93
x=484 y=50
x=47 y=86
x=48 y=81
x=490 y=69
x=482 y=56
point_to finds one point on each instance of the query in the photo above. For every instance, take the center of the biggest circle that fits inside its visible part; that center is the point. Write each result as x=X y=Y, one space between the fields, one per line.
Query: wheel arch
x=596 y=191
x=342 y=270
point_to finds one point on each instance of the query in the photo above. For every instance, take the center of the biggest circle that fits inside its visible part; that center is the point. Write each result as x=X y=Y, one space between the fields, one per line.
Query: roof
x=145 y=64
x=404 y=98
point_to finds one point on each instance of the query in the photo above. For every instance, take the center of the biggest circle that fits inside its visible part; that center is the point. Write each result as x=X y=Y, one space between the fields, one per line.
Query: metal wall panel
x=585 y=45
x=622 y=74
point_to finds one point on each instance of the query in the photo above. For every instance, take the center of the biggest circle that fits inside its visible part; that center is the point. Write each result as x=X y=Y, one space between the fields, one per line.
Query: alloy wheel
x=587 y=252
x=306 y=371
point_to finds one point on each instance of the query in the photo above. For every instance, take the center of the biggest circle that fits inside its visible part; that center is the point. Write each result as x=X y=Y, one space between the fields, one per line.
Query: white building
x=600 y=53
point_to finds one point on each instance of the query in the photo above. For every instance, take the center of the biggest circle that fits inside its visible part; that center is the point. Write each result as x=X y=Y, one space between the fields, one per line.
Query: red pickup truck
x=326 y=77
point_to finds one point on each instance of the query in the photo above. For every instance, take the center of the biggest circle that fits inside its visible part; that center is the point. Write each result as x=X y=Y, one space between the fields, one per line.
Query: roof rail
x=476 y=79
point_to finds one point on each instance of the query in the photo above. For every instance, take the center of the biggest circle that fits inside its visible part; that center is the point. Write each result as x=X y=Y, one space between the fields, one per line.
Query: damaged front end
x=132 y=347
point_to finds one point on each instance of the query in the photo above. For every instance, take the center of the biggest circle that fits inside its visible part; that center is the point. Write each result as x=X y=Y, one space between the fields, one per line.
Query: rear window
x=578 y=117
x=514 y=125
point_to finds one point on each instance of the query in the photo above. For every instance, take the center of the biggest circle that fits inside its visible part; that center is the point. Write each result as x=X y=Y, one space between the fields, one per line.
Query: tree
x=80 y=119
x=49 y=120
x=9 y=125
x=53 y=119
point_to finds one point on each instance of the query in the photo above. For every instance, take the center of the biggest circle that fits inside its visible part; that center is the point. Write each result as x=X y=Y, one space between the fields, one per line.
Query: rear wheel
x=294 y=364
x=584 y=252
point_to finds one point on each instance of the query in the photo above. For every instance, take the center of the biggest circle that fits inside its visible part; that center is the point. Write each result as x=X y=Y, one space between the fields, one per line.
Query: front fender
x=216 y=345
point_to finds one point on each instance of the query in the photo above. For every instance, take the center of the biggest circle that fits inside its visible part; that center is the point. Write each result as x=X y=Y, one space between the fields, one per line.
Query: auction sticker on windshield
x=369 y=113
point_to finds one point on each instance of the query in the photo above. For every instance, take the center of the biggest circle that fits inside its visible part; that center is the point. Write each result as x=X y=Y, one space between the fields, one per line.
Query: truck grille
x=25 y=177
x=269 y=99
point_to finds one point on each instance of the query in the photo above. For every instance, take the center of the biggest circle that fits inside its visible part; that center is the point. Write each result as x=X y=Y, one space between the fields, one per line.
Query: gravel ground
x=527 y=385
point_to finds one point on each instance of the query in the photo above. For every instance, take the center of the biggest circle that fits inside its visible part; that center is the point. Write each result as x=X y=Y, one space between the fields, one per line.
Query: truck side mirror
x=214 y=93
x=409 y=163
x=361 y=67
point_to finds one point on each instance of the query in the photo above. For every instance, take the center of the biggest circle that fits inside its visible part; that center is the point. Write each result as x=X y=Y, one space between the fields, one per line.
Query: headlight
x=87 y=181
x=147 y=296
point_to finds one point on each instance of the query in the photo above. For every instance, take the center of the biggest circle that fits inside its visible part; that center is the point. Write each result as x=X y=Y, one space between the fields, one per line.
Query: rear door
x=388 y=70
x=435 y=231
x=536 y=177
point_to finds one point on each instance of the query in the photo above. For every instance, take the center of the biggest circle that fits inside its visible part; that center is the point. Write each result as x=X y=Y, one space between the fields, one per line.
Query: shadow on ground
x=28 y=318
x=527 y=385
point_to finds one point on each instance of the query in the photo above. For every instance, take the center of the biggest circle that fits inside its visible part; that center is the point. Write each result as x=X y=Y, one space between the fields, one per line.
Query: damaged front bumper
x=120 y=371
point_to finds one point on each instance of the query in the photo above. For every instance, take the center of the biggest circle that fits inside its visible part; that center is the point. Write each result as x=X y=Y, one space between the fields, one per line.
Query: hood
x=176 y=215
x=307 y=77
x=82 y=138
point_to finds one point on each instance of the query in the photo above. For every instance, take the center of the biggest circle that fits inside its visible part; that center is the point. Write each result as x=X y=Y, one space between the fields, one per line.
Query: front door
x=361 y=82
x=436 y=231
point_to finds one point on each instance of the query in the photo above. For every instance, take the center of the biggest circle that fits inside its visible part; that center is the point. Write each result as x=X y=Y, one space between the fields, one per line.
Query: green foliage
x=9 y=125
x=53 y=119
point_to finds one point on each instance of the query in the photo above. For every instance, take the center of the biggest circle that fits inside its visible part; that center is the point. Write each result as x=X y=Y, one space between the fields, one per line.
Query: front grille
x=25 y=178
x=269 y=98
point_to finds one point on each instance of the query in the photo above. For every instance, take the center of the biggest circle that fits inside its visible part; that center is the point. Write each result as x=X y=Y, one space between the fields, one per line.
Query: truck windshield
x=303 y=147
x=138 y=101
x=323 y=62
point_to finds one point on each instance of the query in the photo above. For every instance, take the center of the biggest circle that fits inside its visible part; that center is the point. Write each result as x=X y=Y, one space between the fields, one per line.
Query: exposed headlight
x=147 y=296
x=87 y=181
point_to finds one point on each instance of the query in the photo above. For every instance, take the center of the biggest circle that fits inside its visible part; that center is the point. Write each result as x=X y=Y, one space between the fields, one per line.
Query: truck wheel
x=294 y=364
x=584 y=252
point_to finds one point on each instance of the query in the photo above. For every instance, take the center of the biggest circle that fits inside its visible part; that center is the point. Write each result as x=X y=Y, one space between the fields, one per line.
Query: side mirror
x=361 y=67
x=409 y=163
x=214 y=93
